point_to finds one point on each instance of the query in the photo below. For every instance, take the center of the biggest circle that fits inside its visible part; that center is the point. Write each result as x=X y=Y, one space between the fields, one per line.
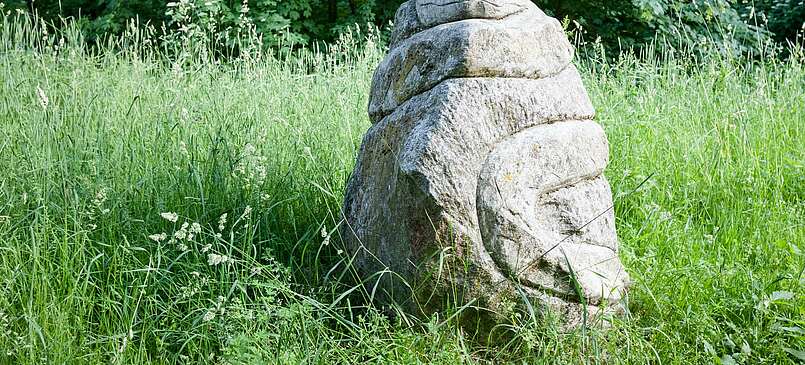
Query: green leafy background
x=735 y=25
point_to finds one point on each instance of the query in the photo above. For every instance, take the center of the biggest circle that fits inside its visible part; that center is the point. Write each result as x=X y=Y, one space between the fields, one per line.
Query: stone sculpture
x=480 y=180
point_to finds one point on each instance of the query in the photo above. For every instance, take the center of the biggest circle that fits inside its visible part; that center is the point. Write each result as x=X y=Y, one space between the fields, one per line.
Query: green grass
x=713 y=241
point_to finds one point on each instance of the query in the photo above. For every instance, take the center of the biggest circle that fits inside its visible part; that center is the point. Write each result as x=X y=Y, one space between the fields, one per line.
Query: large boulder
x=481 y=180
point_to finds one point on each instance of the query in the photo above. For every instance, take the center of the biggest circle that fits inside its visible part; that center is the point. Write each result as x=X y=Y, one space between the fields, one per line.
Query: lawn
x=163 y=206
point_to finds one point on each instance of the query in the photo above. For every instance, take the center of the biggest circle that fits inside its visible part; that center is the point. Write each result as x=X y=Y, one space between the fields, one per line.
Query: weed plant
x=169 y=207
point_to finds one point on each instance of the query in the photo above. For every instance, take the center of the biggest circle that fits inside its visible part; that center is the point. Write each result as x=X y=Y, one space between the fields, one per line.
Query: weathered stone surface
x=406 y=23
x=413 y=16
x=435 y=12
x=528 y=44
x=484 y=184
x=542 y=187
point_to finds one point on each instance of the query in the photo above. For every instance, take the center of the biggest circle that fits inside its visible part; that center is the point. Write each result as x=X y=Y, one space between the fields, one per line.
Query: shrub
x=732 y=26
x=686 y=24
x=784 y=18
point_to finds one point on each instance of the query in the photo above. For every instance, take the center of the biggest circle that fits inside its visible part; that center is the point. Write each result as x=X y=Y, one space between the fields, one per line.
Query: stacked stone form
x=480 y=180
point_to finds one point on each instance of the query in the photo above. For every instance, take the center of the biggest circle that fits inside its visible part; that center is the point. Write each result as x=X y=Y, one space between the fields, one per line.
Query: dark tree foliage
x=617 y=23
x=785 y=18
x=97 y=16
x=632 y=23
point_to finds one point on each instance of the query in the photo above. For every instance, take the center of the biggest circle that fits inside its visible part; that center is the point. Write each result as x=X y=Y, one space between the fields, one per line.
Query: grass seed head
x=43 y=98
x=158 y=237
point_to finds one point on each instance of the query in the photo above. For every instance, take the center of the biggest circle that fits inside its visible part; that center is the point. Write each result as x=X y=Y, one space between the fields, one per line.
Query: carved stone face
x=484 y=162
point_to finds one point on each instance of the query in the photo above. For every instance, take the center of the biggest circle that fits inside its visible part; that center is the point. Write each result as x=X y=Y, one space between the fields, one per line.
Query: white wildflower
x=158 y=237
x=195 y=229
x=172 y=217
x=43 y=99
x=181 y=234
x=100 y=198
x=183 y=248
x=216 y=259
x=256 y=271
x=326 y=236
x=209 y=316
x=206 y=248
x=251 y=169
x=222 y=222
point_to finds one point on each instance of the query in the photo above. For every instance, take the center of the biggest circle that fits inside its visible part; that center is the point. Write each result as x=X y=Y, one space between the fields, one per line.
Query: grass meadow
x=160 y=206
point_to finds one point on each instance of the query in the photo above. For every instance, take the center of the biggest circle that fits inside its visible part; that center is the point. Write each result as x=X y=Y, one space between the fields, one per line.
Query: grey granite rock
x=481 y=180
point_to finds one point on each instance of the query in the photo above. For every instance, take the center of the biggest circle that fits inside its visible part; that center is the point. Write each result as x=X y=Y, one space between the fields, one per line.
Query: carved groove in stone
x=536 y=190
